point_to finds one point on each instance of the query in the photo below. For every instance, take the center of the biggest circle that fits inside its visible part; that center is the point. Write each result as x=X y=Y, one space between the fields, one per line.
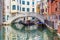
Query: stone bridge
x=11 y=19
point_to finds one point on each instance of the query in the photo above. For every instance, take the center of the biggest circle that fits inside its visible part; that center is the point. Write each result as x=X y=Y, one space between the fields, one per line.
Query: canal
x=29 y=30
x=33 y=32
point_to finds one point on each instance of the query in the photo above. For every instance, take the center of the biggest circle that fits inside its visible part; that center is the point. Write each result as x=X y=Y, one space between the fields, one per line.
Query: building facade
x=1 y=9
x=6 y=10
x=13 y=7
x=54 y=13
x=23 y=5
x=38 y=7
x=1 y=19
x=53 y=7
x=43 y=7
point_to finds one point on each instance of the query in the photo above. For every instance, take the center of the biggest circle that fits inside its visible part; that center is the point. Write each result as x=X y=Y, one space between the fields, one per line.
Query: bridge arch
x=40 y=17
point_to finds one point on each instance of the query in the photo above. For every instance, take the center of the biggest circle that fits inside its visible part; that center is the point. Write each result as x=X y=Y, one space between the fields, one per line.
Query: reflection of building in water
x=37 y=37
x=12 y=34
x=1 y=19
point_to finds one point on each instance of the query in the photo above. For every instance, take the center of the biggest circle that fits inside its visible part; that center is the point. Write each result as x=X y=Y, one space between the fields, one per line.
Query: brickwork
x=53 y=7
x=54 y=11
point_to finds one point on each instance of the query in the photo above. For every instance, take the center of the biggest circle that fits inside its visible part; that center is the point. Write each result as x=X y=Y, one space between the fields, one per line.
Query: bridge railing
x=41 y=17
x=49 y=23
x=27 y=14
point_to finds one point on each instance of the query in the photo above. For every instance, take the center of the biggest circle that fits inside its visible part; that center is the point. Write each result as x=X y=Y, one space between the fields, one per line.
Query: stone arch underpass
x=40 y=17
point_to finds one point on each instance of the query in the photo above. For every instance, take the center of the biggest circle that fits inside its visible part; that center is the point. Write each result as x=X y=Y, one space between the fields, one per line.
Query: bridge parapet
x=40 y=17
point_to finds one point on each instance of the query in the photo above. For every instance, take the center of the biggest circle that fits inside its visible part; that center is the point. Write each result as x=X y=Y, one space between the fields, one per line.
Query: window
x=27 y=3
x=14 y=7
x=23 y=9
x=27 y=9
x=32 y=9
x=33 y=17
x=47 y=0
x=23 y=2
x=3 y=18
x=42 y=10
x=55 y=9
x=7 y=17
x=17 y=7
x=52 y=1
x=32 y=3
x=7 y=7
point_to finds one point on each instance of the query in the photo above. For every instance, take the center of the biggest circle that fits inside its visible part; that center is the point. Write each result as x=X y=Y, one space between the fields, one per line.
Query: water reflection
x=30 y=30
x=33 y=32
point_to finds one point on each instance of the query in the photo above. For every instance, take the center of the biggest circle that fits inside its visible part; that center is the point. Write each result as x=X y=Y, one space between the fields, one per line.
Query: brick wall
x=53 y=7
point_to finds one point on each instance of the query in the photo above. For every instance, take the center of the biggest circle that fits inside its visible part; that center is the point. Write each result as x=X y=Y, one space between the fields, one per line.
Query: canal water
x=17 y=31
x=36 y=33
x=26 y=33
